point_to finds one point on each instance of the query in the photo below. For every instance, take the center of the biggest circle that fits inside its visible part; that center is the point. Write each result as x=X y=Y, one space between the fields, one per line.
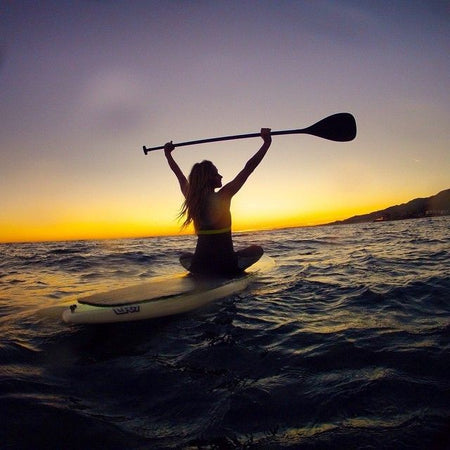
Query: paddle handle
x=339 y=127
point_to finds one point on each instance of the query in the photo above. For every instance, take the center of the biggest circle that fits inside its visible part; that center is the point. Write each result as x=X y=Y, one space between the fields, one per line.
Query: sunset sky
x=85 y=84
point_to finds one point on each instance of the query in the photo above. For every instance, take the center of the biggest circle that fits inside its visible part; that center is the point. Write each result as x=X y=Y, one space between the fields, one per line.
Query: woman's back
x=210 y=210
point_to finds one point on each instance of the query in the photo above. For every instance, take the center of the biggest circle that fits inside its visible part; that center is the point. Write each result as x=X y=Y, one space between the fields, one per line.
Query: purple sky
x=84 y=84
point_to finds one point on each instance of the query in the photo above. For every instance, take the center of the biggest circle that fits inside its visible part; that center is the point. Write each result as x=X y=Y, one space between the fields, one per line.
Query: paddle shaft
x=339 y=127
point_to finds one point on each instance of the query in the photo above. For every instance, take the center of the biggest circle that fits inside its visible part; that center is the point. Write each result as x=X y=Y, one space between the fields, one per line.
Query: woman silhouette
x=209 y=211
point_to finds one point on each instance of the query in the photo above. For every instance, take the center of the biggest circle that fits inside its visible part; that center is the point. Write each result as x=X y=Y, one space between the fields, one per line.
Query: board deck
x=159 y=297
x=152 y=290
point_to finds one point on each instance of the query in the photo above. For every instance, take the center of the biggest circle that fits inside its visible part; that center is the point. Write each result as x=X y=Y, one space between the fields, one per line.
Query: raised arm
x=168 y=149
x=233 y=186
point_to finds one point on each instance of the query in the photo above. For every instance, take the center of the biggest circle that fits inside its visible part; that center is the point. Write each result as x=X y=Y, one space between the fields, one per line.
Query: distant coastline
x=436 y=205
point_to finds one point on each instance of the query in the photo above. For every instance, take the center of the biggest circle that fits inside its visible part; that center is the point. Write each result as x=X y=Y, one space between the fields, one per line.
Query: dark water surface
x=343 y=344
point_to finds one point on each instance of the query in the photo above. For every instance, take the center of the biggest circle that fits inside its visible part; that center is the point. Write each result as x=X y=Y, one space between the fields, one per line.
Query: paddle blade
x=339 y=127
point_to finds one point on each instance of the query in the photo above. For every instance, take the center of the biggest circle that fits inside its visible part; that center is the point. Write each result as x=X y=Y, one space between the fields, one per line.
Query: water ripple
x=344 y=344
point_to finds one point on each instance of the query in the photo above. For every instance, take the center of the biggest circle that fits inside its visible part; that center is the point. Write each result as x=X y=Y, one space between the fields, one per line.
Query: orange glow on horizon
x=85 y=231
x=120 y=228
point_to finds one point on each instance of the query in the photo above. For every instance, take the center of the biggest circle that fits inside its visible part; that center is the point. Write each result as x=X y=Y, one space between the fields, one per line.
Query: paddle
x=339 y=127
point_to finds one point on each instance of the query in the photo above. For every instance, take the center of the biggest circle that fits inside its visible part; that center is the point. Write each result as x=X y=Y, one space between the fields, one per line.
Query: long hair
x=199 y=187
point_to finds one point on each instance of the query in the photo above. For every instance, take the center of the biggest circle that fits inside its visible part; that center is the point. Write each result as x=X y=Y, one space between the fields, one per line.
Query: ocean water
x=344 y=344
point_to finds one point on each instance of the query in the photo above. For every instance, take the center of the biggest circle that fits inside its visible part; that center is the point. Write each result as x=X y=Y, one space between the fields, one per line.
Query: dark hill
x=436 y=205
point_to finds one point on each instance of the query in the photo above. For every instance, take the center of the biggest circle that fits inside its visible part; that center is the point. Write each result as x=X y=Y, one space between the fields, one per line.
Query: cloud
x=112 y=100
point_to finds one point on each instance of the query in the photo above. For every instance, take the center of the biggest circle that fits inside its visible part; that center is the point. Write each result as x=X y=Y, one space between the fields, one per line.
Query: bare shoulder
x=225 y=193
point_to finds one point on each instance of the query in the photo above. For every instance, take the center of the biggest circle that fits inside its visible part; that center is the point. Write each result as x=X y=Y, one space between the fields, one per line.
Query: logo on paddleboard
x=127 y=310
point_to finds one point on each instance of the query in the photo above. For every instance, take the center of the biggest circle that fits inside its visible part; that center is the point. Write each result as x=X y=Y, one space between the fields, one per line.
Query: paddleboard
x=159 y=297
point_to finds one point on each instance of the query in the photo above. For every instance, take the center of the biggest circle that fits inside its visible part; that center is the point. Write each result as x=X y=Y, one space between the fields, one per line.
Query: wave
x=344 y=344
